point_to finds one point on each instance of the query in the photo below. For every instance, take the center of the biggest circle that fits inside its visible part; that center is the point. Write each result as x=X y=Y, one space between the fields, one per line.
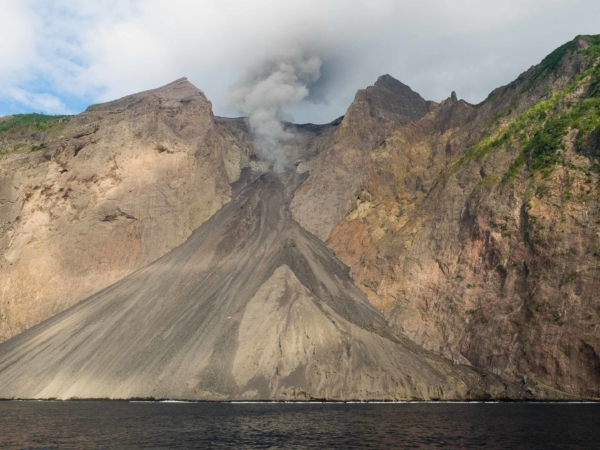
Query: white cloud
x=17 y=40
x=38 y=102
x=104 y=50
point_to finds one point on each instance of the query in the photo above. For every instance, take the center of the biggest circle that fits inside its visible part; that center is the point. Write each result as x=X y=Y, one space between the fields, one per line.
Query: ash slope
x=251 y=306
x=107 y=192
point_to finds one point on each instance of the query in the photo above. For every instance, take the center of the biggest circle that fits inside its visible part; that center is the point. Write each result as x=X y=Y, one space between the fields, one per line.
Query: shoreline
x=304 y=402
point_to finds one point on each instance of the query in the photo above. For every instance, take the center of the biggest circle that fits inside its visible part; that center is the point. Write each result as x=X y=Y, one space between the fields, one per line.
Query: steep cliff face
x=477 y=230
x=341 y=167
x=88 y=199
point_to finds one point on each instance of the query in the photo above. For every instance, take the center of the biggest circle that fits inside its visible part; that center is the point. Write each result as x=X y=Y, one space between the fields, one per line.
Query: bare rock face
x=476 y=231
x=113 y=189
x=251 y=306
x=342 y=166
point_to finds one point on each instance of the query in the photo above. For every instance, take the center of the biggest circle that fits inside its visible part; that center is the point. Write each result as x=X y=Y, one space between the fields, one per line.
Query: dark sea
x=115 y=425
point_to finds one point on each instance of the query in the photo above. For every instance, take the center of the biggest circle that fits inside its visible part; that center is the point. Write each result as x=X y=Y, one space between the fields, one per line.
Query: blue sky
x=59 y=56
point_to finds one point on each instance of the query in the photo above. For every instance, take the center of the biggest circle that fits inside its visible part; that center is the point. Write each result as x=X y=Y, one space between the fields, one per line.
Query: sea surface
x=110 y=425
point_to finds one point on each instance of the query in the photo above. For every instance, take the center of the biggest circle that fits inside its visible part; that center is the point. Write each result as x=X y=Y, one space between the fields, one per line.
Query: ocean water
x=114 y=425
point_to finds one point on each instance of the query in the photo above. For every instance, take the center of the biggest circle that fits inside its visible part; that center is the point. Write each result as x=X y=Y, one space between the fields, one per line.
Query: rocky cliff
x=477 y=230
x=88 y=199
x=341 y=168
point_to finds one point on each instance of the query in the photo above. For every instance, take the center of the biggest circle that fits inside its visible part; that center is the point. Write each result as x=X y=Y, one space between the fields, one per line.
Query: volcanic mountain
x=468 y=235
x=251 y=306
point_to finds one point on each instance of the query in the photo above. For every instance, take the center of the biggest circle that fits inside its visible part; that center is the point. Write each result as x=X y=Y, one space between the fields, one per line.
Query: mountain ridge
x=456 y=220
x=442 y=239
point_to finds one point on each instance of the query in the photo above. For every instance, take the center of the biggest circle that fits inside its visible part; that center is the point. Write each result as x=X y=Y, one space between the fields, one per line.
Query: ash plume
x=265 y=92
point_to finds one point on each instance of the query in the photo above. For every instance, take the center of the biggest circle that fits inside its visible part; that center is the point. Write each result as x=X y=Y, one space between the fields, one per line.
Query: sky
x=59 y=56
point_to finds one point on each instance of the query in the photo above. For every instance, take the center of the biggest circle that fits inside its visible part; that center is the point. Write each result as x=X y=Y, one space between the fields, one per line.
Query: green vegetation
x=571 y=277
x=540 y=149
x=540 y=131
x=504 y=113
x=485 y=146
x=9 y=149
x=542 y=191
x=551 y=62
x=488 y=181
x=17 y=131
x=37 y=148
x=22 y=123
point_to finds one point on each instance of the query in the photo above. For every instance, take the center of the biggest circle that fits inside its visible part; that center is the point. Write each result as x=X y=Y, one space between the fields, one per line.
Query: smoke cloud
x=265 y=92
x=63 y=55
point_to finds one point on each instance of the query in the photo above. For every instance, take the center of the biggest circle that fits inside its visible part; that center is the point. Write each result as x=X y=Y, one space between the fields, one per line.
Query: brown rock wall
x=503 y=276
x=123 y=183
x=343 y=164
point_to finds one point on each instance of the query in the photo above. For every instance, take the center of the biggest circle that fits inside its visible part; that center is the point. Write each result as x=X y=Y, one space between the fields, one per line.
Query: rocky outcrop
x=477 y=229
x=107 y=192
x=250 y=307
x=341 y=167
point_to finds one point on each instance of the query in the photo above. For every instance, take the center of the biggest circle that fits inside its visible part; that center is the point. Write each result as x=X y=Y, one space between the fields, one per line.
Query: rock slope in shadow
x=251 y=306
